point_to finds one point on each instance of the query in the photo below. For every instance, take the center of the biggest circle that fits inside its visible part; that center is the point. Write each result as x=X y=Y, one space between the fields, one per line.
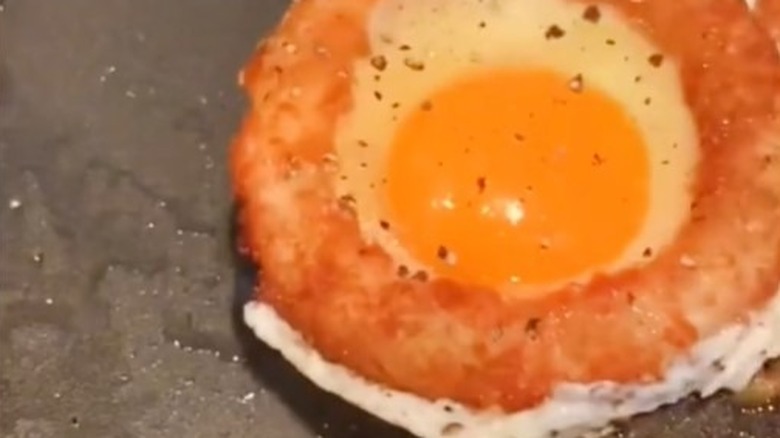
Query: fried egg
x=514 y=218
x=563 y=141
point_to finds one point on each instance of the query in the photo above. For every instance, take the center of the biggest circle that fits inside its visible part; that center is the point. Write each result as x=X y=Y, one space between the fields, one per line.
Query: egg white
x=727 y=360
x=454 y=38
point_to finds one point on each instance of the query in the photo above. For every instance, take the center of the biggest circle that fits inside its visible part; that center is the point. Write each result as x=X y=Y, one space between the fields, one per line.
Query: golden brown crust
x=439 y=339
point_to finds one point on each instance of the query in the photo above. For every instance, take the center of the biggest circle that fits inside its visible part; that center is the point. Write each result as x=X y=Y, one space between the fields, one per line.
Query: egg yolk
x=516 y=176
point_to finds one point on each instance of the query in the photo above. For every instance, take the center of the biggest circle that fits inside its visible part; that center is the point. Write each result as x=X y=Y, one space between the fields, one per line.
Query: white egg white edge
x=727 y=360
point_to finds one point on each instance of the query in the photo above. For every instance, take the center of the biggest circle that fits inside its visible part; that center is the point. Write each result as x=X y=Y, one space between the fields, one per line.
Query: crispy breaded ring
x=440 y=339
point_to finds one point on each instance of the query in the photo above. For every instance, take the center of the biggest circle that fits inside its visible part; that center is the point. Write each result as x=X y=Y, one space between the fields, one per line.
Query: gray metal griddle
x=119 y=285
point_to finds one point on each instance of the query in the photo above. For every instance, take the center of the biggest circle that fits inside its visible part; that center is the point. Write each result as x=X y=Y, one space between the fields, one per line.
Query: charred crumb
x=554 y=32
x=648 y=252
x=377 y=95
x=402 y=271
x=592 y=13
x=481 y=184
x=421 y=276
x=379 y=62
x=656 y=60
x=576 y=84
x=385 y=225
x=448 y=408
x=450 y=429
x=414 y=64
x=532 y=327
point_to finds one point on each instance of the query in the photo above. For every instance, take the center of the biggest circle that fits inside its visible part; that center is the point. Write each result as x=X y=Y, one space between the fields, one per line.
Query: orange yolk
x=515 y=176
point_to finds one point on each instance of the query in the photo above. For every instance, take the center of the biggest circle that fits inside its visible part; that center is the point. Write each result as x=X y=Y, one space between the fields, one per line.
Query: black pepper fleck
x=554 y=32
x=648 y=252
x=379 y=62
x=402 y=271
x=442 y=252
x=592 y=13
x=656 y=60
x=404 y=47
x=648 y=101
x=420 y=276
x=384 y=224
x=362 y=143
x=377 y=95
x=481 y=184
x=414 y=64
x=532 y=326
x=610 y=42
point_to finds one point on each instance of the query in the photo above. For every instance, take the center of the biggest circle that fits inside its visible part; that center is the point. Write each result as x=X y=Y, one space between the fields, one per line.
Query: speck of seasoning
x=648 y=252
x=451 y=429
x=718 y=366
x=343 y=177
x=665 y=162
x=656 y=60
x=448 y=408
x=631 y=298
x=592 y=13
x=414 y=64
x=482 y=25
x=379 y=62
x=402 y=271
x=348 y=202
x=648 y=101
x=14 y=204
x=421 y=276
x=576 y=84
x=518 y=137
x=481 y=184
x=38 y=257
x=637 y=79
x=363 y=164
x=554 y=32
x=395 y=105
x=532 y=326
x=426 y=105
x=598 y=160
x=442 y=252
x=404 y=47
x=385 y=225
x=362 y=143
x=377 y=95
x=610 y=42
